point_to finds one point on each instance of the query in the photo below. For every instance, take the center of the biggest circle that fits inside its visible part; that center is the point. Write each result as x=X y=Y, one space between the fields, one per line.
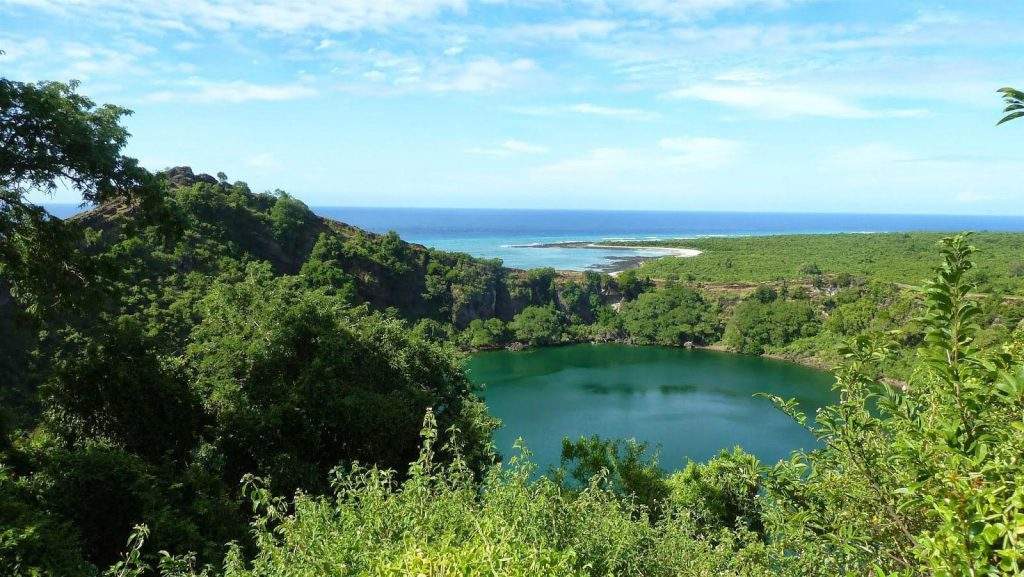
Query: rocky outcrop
x=183 y=176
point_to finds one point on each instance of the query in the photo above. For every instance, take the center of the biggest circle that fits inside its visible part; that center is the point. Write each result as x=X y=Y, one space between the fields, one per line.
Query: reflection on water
x=691 y=403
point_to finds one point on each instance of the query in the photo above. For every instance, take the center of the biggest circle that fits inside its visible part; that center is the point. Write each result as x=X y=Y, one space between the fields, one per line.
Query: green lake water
x=691 y=403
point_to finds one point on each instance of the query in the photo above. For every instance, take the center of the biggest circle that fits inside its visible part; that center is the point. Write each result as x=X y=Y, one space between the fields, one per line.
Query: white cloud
x=264 y=161
x=671 y=156
x=971 y=197
x=206 y=92
x=524 y=147
x=610 y=111
x=588 y=109
x=273 y=15
x=866 y=157
x=558 y=31
x=85 y=61
x=509 y=148
x=701 y=152
x=486 y=74
x=781 y=101
x=691 y=9
x=598 y=161
x=22 y=49
x=376 y=72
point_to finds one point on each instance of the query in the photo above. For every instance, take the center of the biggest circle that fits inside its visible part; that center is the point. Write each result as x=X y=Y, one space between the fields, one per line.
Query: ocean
x=508 y=234
x=512 y=234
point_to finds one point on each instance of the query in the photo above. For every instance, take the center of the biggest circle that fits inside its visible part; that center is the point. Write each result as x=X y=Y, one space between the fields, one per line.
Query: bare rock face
x=183 y=176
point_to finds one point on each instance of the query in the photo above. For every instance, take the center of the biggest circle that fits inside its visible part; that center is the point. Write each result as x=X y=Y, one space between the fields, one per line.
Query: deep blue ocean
x=507 y=233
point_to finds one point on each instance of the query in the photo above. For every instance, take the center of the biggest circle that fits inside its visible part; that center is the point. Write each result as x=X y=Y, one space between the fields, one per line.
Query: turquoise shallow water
x=691 y=403
x=505 y=234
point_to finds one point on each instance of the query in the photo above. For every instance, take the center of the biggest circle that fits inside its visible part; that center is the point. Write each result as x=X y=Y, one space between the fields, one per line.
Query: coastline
x=619 y=264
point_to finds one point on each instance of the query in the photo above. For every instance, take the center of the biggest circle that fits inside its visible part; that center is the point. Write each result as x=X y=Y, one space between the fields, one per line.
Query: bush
x=289 y=220
x=439 y=522
x=537 y=325
x=720 y=494
x=852 y=318
x=624 y=467
x=764 y=294
x=810 y=269
x=296 y=384
x=671 y=316
x=631 y=284
x=755 y=326
x=485 y=333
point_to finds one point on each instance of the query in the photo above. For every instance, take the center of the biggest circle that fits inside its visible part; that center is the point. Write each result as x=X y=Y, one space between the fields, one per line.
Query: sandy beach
x=619 y=264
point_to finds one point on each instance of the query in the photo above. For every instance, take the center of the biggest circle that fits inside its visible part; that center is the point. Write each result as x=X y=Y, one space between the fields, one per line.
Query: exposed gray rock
x=183 y=176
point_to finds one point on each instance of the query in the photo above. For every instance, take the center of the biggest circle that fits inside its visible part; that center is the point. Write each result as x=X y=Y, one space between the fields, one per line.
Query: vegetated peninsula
x=201 y=380
x=896 y=257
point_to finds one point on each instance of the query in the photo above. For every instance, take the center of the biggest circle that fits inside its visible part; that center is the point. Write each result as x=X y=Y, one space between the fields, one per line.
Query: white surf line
x=665 y=250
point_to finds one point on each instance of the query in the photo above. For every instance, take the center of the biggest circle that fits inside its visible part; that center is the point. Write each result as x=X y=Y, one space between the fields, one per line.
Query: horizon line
x=86 y=206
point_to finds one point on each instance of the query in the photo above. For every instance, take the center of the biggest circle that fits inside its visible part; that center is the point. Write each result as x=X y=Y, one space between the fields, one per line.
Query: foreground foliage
x=923 y=480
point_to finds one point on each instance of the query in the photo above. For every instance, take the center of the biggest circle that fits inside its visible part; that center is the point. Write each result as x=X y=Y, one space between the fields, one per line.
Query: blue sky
x=777 y=105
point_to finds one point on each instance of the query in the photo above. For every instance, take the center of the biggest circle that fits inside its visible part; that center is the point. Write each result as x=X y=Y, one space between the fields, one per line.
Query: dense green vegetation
x=756 y=325
x=891 y=257
x=190 y=348
x=674 y=315
x=922 y=480
x=162 y=346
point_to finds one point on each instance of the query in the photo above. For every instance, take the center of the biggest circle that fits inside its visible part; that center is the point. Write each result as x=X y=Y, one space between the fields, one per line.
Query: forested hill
x=219 y=225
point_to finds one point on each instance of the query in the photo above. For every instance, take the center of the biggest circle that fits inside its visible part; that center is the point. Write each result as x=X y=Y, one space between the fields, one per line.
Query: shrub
x=755 y=325
x=671 y=316
x=537 y=325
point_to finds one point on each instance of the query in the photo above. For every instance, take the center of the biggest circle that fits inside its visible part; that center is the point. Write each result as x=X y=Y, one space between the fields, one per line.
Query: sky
x=749 y=105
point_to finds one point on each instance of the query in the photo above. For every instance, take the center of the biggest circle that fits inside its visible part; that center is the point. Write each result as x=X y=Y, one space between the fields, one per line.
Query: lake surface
x=508 y=233
x=692 y=403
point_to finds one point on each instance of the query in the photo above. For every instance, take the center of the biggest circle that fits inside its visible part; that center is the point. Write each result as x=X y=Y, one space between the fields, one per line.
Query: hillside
x=217 y=223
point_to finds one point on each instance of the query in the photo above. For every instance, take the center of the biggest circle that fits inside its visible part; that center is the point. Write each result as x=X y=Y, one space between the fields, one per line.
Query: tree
x=755 y=325
x=631 y=284
x=916 y=480
x=51 y=133
x=721 y=493
x=323 y=268
x=297 y=384
x=485 y=333
x=1014 y=104
x=765 y=294
x=537 y=325
x=289 y=219
x=671 y=316
x=627 y=468
x=810 y=269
